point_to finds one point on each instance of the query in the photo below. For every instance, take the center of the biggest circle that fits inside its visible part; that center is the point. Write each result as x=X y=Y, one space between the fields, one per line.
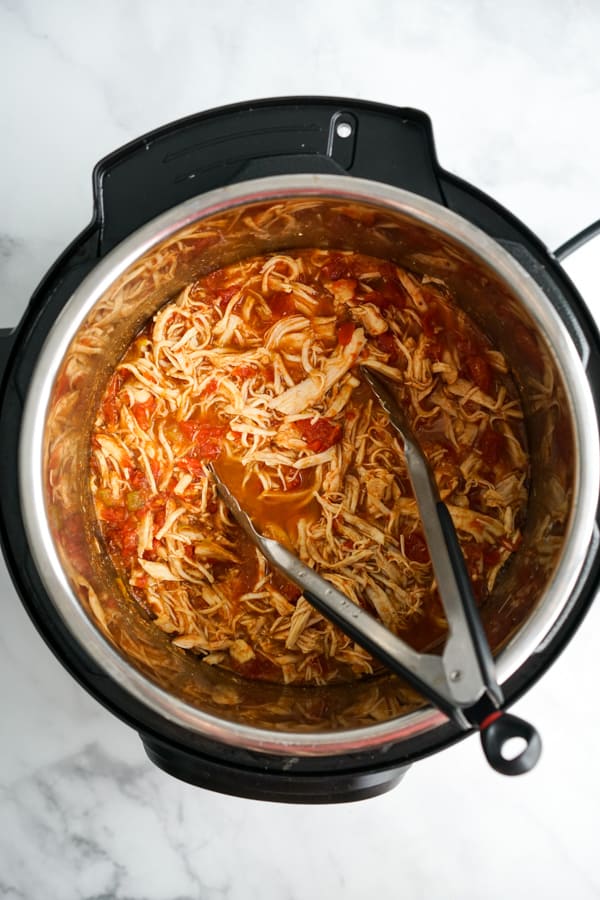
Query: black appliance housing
x=132 y=186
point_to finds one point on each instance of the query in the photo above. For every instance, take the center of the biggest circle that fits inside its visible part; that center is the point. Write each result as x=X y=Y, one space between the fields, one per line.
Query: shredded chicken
x=255 y=367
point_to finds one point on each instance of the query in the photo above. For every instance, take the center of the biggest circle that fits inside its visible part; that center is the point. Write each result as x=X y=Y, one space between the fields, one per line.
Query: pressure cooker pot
x=202 y=723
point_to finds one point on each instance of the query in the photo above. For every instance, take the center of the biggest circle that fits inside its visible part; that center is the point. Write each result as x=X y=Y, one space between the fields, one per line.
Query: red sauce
x=415 y=547
x=320 y=434
x=200 y=438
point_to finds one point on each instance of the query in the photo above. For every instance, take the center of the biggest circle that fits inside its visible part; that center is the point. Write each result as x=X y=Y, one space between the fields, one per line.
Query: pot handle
x=578 y=240
x=579 y=258
x=252 y=140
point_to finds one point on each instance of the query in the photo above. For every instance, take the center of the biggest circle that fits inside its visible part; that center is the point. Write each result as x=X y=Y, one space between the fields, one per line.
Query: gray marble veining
x=513 y=90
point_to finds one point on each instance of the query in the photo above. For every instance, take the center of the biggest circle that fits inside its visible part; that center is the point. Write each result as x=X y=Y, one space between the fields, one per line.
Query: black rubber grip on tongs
x=496 y=726
x=472 y=617
x=501 y=727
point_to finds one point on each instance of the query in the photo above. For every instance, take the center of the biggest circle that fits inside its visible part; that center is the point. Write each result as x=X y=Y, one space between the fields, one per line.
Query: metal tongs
x=461 y=681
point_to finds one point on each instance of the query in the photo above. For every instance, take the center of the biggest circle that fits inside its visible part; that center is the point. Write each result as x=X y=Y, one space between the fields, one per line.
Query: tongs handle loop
x=501 y=727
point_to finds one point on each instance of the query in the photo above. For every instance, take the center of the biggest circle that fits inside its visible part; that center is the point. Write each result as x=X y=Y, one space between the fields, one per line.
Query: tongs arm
x=467 y=658
x=426 y=672
x=430 y=674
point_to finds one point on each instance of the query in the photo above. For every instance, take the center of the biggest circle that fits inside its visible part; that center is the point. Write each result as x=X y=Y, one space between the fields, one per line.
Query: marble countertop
x=514 y=92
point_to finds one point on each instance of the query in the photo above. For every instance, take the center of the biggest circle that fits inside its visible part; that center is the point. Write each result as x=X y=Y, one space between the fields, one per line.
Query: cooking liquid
x=277 y=513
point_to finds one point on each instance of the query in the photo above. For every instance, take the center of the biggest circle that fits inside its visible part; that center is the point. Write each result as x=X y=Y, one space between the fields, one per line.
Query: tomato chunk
x=192 y=465
x=244 y=371
x=319 y=435
x=207 y=439
x=281 y=304
x=386 y=342
x=337 y=267
x=142 y=412
x=345 y=332
x=210 y=388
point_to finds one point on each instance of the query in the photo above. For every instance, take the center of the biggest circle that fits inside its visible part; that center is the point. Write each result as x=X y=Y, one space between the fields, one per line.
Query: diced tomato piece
x=142 y=412
x=244 y=371
x=210 y=388
x=319 y=435
x=225 y=295
x=281 y=304
x=345 y=332
x=193 y=465
x=137 y=480
x=337 y=267
x=387 y=344
x=481 y=373
x=207 y=439
x=113 y=514
x=129 y=541
x=190 y=428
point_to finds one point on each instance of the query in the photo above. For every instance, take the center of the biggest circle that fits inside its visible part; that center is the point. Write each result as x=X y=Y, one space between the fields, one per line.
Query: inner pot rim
x=94 y=286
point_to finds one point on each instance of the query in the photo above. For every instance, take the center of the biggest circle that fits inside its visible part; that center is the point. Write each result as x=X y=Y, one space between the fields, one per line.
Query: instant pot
x=187 y=199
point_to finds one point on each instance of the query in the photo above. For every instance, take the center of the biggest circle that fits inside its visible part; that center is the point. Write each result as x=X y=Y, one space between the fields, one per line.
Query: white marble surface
x=514 y=93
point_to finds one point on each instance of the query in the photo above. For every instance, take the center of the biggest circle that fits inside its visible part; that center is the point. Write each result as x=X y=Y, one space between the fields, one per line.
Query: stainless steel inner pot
x=149 y=268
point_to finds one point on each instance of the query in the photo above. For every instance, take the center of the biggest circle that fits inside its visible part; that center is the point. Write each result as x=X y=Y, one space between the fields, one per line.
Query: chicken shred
x=255 y=367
